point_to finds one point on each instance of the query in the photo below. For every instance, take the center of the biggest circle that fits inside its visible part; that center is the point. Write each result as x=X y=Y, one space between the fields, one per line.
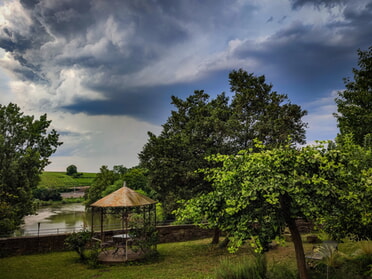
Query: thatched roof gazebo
x=130 y=205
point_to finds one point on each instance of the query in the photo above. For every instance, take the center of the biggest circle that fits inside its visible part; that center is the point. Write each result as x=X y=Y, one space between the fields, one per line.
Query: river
x=62 y=218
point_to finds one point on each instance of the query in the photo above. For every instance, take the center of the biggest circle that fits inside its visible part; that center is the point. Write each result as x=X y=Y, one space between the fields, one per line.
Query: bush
x=78 y=241
x=71 y=170
x=355 y=268
x=44 y=194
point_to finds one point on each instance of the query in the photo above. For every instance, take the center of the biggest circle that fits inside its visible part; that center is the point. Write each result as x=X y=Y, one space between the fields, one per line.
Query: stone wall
x=47 y=243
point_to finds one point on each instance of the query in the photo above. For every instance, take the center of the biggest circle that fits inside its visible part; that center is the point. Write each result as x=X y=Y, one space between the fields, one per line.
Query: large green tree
x=194 y=130
x=108 y=181
x=201 y=126
x=256 y=194
x=260 y=113
x=25 y=146
x=354 y=104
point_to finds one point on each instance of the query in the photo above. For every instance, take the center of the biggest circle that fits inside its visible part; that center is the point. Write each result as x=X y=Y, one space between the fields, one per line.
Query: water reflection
x=64 y=218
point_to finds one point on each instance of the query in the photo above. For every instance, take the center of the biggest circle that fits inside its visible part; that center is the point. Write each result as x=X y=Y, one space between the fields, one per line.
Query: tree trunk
x=216 y=236
x=285 y=202
x=224 y=243
x=299 y=249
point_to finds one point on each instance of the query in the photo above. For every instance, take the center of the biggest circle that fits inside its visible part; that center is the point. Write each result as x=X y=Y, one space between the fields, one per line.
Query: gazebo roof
x=124 y=197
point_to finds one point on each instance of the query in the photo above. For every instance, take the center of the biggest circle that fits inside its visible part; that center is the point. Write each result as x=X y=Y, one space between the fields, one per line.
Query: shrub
x=44 y=194
x=78 y=241
x=71 y=170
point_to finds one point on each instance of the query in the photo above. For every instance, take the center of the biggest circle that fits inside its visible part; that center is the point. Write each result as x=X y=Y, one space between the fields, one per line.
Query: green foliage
x=144 y=234
x=351 y=177
x=112 y=188
x=103 y=179
x=354 y=268
x=78 y=242
x=196 y=129
x=160 y=216
x=201 y=126
x=25 y=146
x=256 y=195
x=92 y=258
x=108 y=181
x=71 y=170
x=257 y=112
x=354 y=103
x=47 y=194
x=136 y=179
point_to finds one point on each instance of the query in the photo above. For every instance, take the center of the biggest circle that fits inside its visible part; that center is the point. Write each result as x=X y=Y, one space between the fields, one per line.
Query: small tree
x=78 y=241
x=71 y=170
x=257 y=194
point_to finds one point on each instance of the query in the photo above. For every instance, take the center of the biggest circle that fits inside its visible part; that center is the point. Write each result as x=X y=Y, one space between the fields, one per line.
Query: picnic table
x=121 y=243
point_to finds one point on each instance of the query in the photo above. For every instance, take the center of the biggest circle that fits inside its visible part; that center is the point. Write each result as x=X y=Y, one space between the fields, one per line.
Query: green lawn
x=193 y=259
x=59 y=180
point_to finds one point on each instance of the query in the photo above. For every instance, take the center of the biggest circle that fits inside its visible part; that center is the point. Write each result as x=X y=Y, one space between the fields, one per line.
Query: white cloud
x=13 y=15
x=93 y=141
x=322 y=125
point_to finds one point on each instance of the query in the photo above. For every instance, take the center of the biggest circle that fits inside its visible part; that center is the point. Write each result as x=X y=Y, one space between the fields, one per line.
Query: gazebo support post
x=92 y=220
x=102 y=235
x=154 y=205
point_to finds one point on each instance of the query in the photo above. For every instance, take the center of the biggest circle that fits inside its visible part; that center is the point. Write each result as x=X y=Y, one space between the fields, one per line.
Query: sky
x=104 y=71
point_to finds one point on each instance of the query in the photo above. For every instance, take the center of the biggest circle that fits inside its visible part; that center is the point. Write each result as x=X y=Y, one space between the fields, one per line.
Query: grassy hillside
x=59 y=180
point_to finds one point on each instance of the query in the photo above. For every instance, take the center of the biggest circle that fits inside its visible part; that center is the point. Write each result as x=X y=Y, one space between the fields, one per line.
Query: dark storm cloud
x=317 y=3
x=81 y=24
x=113 y=45
x=310 y=57
x=110 y=41
x=142 y=103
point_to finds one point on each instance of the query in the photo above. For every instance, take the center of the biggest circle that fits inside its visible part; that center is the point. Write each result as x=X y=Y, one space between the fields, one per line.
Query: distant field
x=59 y=180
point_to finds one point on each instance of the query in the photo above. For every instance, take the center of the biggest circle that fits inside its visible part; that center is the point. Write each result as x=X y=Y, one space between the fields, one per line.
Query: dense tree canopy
x=108 y=181
x=195 y=130
x=71 y=170
x=354 y=104
x=202 y=126
x=25 y=146
x=257 y=112
x=101 y=182
x=256 y=194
